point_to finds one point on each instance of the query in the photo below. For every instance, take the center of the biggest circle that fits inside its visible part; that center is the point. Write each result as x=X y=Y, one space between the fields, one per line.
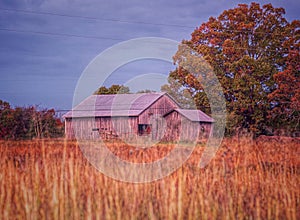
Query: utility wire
x=108 y=38
x=94 y=18
x=132 y=22
x=59 y=34
x=111 y=20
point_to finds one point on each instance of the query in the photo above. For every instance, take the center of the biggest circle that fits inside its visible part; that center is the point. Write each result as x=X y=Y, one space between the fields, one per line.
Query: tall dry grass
x=50 y=179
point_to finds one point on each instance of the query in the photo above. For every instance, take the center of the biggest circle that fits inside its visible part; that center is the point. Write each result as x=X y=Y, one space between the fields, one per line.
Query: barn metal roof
x=114 y=105
x=194 y=115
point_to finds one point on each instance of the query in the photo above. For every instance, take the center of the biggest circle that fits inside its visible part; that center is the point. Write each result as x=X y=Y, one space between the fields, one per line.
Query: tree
x=181 y=95
x=28 y=122
x=102 y=91
x=45 y=123
x=6 y=119
x=146 y=91
x=22 y=123
x=285 y=99
x=245 y=48
x=114 y=89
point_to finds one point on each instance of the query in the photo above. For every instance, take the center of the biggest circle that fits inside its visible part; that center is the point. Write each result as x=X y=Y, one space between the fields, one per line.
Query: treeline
x=28 y=122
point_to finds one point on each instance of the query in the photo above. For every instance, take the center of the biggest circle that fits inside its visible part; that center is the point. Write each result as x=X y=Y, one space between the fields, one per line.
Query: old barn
x=121 y=115
x=187 y=125
x=127 y=116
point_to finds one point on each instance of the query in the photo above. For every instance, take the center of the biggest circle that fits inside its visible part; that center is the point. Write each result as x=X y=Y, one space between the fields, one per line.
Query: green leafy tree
x=245 y=48
x=114 y=89
x=182 y=95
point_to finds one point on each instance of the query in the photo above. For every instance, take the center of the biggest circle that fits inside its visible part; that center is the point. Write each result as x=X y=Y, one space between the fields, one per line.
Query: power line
x=59 y=34
x=106 y=38
x=130 y=22
x=94 y=18
x=110 y=20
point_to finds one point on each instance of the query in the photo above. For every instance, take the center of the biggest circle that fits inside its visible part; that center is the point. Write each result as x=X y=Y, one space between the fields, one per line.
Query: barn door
x=158 y=127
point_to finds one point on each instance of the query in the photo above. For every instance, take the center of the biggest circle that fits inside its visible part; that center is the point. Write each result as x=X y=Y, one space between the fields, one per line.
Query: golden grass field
x=50 y=179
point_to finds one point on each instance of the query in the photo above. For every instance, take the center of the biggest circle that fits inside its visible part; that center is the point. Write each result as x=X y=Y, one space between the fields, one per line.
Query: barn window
x=144 y=129
x=95 y=129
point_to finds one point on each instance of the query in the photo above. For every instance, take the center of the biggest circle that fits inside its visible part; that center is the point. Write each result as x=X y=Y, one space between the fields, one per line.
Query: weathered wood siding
x=69 y=132
x=104 y=127
x=154 y=116
x=180 y=128
x=162 y=106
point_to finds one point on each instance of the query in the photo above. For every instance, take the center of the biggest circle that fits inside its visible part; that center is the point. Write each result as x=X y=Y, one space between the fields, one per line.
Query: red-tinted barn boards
x=126 y=116
x=187 y=125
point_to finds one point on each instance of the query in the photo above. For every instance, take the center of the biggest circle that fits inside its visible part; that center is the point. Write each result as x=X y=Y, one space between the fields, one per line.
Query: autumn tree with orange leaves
x=254 y=52
x=285 y=98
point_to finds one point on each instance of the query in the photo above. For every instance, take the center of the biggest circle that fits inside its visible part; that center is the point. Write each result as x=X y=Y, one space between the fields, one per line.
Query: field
x=50 y=179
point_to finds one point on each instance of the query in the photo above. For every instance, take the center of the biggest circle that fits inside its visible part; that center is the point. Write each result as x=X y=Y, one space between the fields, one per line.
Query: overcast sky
x=47 y=44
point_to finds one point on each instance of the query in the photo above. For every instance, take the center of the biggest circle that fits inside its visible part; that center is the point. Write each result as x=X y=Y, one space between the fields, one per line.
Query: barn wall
x=180 y=128
x=124 y=127
x=154 y=116
x=205 y=129
x=163 y=105
x=104 y=127
x=173 y=128
x=69 y=132
x=80 y=128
